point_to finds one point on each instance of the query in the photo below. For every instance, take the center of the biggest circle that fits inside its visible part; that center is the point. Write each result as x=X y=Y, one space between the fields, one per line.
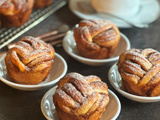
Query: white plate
x=116 y=81
x=58 y=70
x=69 y=46
x=148 y=12
x=48 y=109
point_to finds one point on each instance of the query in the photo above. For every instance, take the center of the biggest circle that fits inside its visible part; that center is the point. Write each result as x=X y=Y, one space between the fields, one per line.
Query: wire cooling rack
x=7 y=35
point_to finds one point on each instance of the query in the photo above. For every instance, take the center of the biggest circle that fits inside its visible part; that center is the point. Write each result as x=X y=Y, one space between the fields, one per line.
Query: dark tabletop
x=24 y=105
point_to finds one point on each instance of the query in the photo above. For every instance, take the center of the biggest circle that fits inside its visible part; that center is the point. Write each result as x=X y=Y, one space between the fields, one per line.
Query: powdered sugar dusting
x=73 y=92
x=84 y=91
x=140 y=59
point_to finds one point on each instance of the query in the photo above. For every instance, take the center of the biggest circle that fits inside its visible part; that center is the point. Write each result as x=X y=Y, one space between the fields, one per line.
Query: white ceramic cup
x=121 y=8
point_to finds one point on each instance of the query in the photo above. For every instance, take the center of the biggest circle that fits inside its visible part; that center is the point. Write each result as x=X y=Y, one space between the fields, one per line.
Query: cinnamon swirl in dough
x=80 y=97
x=96 y=39
x=30 y=61
x=140 y=71
x=15 y=12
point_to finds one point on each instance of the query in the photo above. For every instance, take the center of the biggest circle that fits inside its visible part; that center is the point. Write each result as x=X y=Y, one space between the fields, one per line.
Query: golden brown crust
x=42 y=3
x=96 y=39
x=140 y=71
x=15 y=12
x=80 y=97
x=30 y=61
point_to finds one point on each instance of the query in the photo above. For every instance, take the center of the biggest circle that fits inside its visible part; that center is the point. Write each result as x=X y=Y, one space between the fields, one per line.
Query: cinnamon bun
x=15 y=12
x=29 y=61
x=80 y=97
x=140 y=71
x=96 y=39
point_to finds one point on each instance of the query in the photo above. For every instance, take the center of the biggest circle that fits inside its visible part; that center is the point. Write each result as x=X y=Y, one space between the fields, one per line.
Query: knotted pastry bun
x=42 y=3
x=15 y=12
x=29 y=61
x=96 y=39
x=140 y=71
x=80 y=97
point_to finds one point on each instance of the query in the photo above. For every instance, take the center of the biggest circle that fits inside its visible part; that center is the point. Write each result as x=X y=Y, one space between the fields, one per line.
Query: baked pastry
x=15 y=12
x=96 y=39
x=140 y=71
x=42 y=3
x=29 y=61
x=80 y=98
